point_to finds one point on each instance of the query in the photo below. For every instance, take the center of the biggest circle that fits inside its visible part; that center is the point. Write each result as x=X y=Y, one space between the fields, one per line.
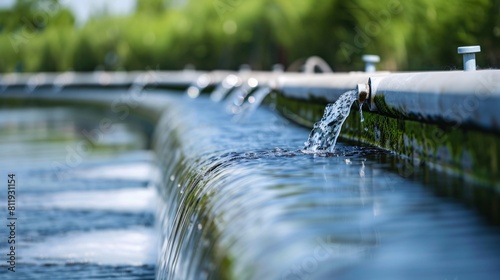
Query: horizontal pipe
x=326 y=87
x=329 y=85
x=125 y=79
x=457 y=98
x=100 y=78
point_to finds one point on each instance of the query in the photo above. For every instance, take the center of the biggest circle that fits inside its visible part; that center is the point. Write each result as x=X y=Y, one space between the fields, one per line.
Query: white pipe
x=453 y=97
x=327 y=86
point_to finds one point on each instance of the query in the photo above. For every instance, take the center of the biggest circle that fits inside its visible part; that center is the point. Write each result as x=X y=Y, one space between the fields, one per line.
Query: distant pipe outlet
x=370 y=60
x=469 y=55
x=363 y=92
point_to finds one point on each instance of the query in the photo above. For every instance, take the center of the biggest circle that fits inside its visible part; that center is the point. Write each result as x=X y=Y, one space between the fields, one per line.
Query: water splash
x=361 y=112
x=325 y=132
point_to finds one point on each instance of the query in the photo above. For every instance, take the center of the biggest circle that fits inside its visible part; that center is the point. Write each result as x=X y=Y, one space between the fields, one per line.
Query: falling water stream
x=325 y=132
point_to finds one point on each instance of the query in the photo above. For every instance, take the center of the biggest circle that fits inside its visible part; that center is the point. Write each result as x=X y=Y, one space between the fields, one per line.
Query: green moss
x=311 y=98
x=300 y=111
x=467 y=152
x=385 y=110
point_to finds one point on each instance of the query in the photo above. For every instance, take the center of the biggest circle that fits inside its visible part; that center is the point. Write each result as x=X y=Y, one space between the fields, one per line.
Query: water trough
x=240 y=205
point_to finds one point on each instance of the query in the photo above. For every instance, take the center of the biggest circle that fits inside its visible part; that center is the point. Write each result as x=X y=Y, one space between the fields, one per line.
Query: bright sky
x=83 y=10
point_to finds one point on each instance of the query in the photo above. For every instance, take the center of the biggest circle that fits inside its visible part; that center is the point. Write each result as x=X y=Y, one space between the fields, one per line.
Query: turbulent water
x=325 y=132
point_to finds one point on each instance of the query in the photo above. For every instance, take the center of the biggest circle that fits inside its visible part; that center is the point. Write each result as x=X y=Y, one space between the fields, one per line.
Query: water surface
x=237 y=200
x=85 y=210
x=245 y=203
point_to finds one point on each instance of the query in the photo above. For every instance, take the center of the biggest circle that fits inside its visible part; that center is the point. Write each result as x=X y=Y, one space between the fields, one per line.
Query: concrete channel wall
x=447 y=120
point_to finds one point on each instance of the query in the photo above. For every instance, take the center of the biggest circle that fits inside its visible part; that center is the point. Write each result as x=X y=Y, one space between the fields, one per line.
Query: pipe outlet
x=366 y=95
x=363 y=92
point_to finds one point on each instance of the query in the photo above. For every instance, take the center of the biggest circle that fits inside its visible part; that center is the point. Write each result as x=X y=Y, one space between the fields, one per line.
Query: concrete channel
x=447 y=120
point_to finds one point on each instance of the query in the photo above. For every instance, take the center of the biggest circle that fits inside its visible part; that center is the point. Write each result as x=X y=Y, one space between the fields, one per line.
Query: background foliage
x=222 y=34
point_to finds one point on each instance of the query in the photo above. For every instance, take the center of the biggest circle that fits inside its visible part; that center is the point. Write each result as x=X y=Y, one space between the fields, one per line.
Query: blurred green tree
x=150 y=7
x=212 y=34
x=35 y=15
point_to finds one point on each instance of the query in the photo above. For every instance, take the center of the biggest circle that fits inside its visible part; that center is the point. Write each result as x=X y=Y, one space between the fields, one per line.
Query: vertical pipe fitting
x=469 y=56
x=245 y=68
x=278 y=68
x=370 y=60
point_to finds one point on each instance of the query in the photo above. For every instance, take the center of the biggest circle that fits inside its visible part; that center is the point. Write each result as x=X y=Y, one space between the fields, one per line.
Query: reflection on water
x=243 y=203
x=97 y=220
x=132 y=246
